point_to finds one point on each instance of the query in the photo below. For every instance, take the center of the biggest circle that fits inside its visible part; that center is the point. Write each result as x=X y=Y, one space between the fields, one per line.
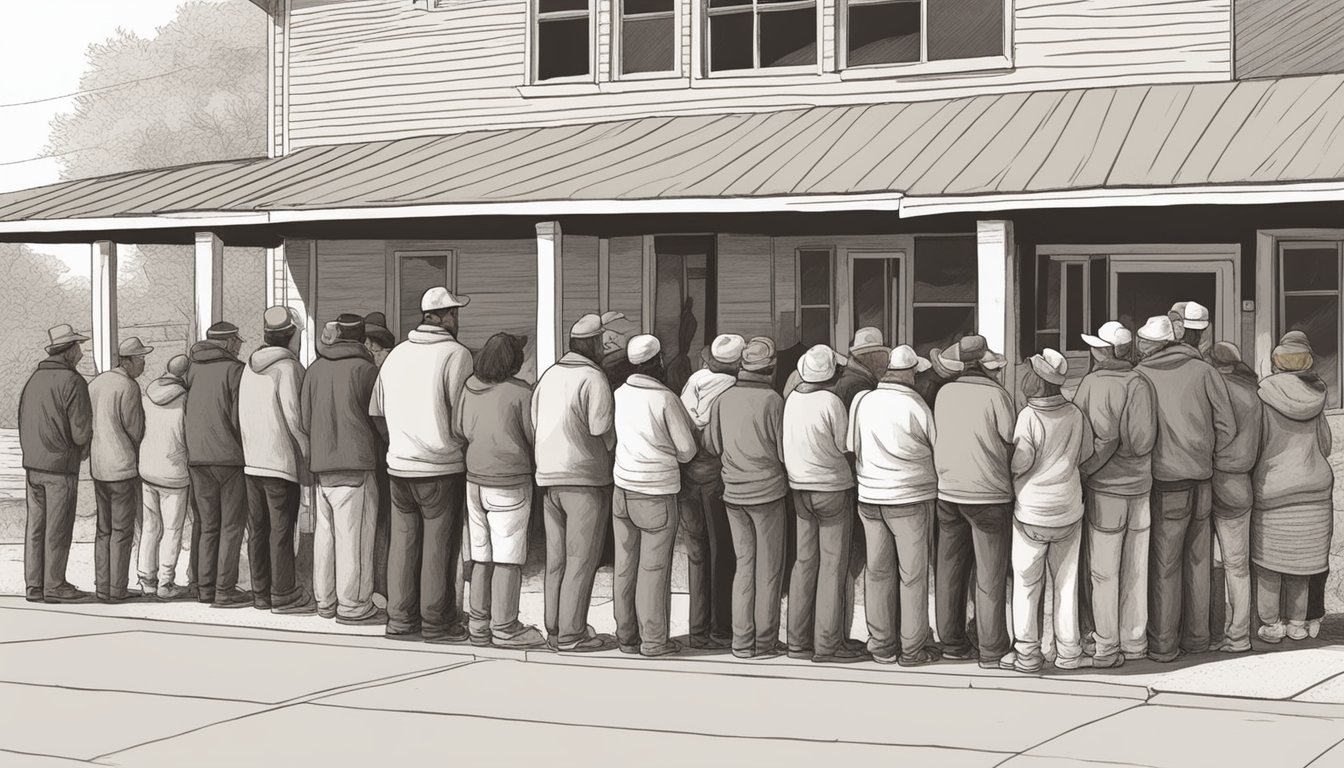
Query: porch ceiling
x=1207 y=135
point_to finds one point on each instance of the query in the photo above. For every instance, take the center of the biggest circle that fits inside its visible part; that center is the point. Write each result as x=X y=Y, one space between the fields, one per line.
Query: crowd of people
x=1111 y=498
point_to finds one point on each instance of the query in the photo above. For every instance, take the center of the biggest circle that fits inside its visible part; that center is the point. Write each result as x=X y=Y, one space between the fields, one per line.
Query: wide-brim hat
x=133 y=347
x=61 y=335
x=944 y=366
x=867 y=340
x=375 y=328
x=904 y=358
x=974 y=348
x=1051 y=366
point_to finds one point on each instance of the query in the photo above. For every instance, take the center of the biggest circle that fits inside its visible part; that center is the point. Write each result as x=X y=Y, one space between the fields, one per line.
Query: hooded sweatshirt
x=891 y=435
x=1292 y=468
x=572 y=409
x=163 y=452
x=213 y=435
x=702 y=390
x=55 y=418
x=275 y=443
x=816 y=423
x=746 y=431
x=334 y=409
x=1232 y=466
x=418 y=389
x=975 y=421
x=1119 y=406
x=1194 y=414
x=1050 y=441
x=654 y=436
x=496 y=420
x=118 y=426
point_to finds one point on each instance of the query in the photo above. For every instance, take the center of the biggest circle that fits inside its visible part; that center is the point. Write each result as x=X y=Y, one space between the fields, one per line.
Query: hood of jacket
x=429 y=334
x=209 y=352
x=344 y=350
x=165 y=390
x=640 y=381
x=478 y=387
x=1172 y=356
x=267 y=356
x=1300 y=398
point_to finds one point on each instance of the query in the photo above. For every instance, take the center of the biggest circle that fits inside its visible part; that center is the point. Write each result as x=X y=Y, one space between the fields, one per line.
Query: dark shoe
x=920 y=658
x=232 y=598
x=771 y=652
x=303 y=607
x=374 y=617
x=529 y=637
x=1165 y=658
x=631 y=649
x=585 y=645
x=169 y=592
x=262 y=605
x=480 y=641
x=413 y=636
x=747 y=654
x=842 y=655
x=451 y=636
x=800 y=653
x=666 y=649
x=966 y=653
x=121 y=598
x=33 y=596
x=708 y=642
x=881 y=659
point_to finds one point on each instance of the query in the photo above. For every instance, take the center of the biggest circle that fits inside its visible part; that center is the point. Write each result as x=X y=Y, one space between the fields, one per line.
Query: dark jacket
x=496 y=420
x=1232 y=465
x=213 y=435
x=617 y=367
x=55 y=418
x=334 y=410
x=1194 y=414
x=853 y=379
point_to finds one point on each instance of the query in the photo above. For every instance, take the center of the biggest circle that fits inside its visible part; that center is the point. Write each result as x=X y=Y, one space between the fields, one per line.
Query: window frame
x=618 y=40
x=706 y=42
x=924 y=66
x=830 y=307
x=394 y=286
x=1281 y=294
x=532 y=39
x=1061 y=333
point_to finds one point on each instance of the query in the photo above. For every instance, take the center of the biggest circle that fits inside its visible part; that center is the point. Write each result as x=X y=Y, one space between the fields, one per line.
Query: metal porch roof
x=1277 y=131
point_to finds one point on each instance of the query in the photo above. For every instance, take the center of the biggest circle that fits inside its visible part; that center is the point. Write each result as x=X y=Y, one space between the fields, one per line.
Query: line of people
x=1116 y=495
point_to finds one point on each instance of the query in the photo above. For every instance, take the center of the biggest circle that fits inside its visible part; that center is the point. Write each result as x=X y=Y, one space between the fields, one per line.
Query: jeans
x=118 y=501
x=758 y=541
x=347 y=511
x=979 y=535
x=709 y=558
x=273 y=506
x=1234 y=541
x=221 y=505
x=817 y=587
x=1117 y=531
x=425 y=544
x=576 y=525
x=1180 y=559
x=898 y=547
x=1280 y=597
x=50 y=526
x=165 y=514
x=646 y=530
x=1036 y=548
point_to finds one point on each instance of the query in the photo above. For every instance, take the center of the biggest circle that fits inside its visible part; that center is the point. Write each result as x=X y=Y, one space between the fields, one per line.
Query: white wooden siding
x=377 y=69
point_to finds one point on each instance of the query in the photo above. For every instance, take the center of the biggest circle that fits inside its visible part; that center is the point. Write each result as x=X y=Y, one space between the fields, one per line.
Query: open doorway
x=685 y=308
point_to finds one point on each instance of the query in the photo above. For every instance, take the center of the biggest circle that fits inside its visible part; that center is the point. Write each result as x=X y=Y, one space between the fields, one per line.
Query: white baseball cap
x=642 y=348
x=1158 y=328
x=439 y=297
x=1195 y=315
x=1110 y=334
x=817 y=364
x=903 y=358
x=727 y=348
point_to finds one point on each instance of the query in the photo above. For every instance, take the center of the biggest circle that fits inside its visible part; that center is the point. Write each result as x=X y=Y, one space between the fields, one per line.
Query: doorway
x=685 y=306
x=1143 y=288
x=877 y=294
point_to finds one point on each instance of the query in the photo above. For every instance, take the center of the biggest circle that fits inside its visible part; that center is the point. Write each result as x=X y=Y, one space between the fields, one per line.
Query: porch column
x=209 y=281
x=996 y=305
x=103 y=282
x=549 y=287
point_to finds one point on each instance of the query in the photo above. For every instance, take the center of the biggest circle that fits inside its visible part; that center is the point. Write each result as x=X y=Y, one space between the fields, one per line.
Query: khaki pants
x=347 y=512
x=1234 y=540
x=1036 y=548
x=165 y=515
x=1117 y=530
x=898 y=548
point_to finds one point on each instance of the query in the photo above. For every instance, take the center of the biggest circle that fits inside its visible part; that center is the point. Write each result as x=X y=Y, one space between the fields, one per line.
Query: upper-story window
x=561 y=40
x=649 y=39
x=876 y=32
x=761 y=34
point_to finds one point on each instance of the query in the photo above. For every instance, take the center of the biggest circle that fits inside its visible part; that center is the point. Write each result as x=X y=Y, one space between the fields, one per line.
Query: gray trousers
x=576 y=528
x=817 y=587
x=758 y=540
x=1180 y=557
x=1280 y=597
x=50 y=526
x=118 y=502
x=898 y=552
x=646 y=529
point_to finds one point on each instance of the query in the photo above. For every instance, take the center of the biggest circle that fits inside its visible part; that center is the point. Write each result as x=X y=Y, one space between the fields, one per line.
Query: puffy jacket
x=654 y=435
x=214 y=437
x=163 y=452
x=274 y=441
x=1194 y=414
x=418 y=389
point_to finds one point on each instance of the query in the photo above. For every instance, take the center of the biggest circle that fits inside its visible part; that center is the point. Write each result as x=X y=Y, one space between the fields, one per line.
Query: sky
x=42 y=47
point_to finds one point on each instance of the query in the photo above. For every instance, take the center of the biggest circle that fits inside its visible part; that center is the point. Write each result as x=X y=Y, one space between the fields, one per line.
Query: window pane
x=814 y=326
x=814 y=277
x=730 y=45
x=789 y=38
x=941 y=326
x=1318 y=317
x=635 y=7
x=1047 y=295
x=883 y=34
x=562 y=48
x=945 y=269
x=870 y=293
x=1075 y=322
x=551 y=6
x=964 y=29
x=647 y=45
x=1311 y=269
x=728 y=3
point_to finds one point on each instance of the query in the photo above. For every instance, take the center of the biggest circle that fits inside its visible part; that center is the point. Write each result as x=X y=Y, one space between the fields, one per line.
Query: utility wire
x=98 y=89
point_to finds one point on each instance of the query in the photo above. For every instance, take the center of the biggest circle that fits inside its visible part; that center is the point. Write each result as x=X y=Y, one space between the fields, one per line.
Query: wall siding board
x=579 y=278
x=625 y=286
x=745 y=292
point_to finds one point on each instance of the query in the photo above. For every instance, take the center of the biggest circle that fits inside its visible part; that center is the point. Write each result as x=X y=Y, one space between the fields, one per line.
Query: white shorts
x=497 y=521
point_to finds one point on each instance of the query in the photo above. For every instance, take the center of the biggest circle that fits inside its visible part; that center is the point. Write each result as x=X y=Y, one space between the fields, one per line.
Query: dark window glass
x=1318 y=317
x=965 y=29
x=636 y=7
x=730 y=42
x=789 y=38
x=1047 y=295
x=945 y=269
x=416 y=272
x=553 y=6
x=886 y=33
x=1076 y=321
x=814 y=325
x=648 y=44
x=870 y=293
x=729 y=3
x=814 y=277
x=1310 y=269
x=941 y=326
x=1047 y=339
x=562 y=48
x=1101 y=294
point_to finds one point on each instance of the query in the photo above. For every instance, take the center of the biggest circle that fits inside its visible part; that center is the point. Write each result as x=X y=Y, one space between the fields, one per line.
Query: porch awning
x=1262 y=137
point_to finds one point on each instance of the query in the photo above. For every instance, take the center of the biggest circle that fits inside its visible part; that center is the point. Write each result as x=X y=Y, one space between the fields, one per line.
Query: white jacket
x=274 y=443
x=701 y=390
x=891 y=435
x=654 y=436
x=163 y=453
x=1050 y=442
x=419 y=388
x=815 y=425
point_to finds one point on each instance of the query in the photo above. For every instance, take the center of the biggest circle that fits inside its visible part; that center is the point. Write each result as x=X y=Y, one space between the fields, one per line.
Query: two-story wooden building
x=796 y=168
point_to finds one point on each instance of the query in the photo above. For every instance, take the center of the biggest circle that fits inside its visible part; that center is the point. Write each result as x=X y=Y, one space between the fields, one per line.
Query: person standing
x=1117 y=479
x=572 y=412
x=746 y=432
x=709 y=546
x=1233 y=495
x=215 y=458
x=55 y=427
x=379 y=341
x=1292 y=519
x=418 y=390
x=1195 y=421
x=496 y=422
x=114 y=463
x=1050 y=441
x=166 y=482
x=815 y=427
x=891 y=434
x=975 y=419
x=275 y=447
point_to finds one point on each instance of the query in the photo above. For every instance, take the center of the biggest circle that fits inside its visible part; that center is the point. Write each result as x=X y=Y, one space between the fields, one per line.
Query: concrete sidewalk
x=78 y=683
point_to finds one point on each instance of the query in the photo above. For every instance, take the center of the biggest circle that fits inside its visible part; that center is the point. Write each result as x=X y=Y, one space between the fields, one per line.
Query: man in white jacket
x=891 y=435
x=654 y=436
x=418 y=390
x=275 y=447
x=167 y=482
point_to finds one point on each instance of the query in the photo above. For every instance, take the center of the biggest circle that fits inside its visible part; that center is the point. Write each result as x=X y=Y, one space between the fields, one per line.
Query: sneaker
x=529 y=637
x=1135 y=655
x=585 y=645
x=1227 y=646
x=1077 y=662
x=959 y=654
x=171 y=591
x=1297 y=630
x=452 y=636
x=374 y=617
x=800 y=653
x=1314 y=627
x=1111 y=661
x=66 y=593
x=843 y=655
x=885 y=659
x=1272 y=633
x=629 y=648
x=327 y=613
x=741 y=654
x=666 y=649
x=231 y=598
x=918 y=658
x=1026 y=668
x=770 y=653
x=149 y=590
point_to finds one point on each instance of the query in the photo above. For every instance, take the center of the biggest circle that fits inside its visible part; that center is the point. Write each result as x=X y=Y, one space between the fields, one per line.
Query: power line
x=98 y=89
x=47 y=157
